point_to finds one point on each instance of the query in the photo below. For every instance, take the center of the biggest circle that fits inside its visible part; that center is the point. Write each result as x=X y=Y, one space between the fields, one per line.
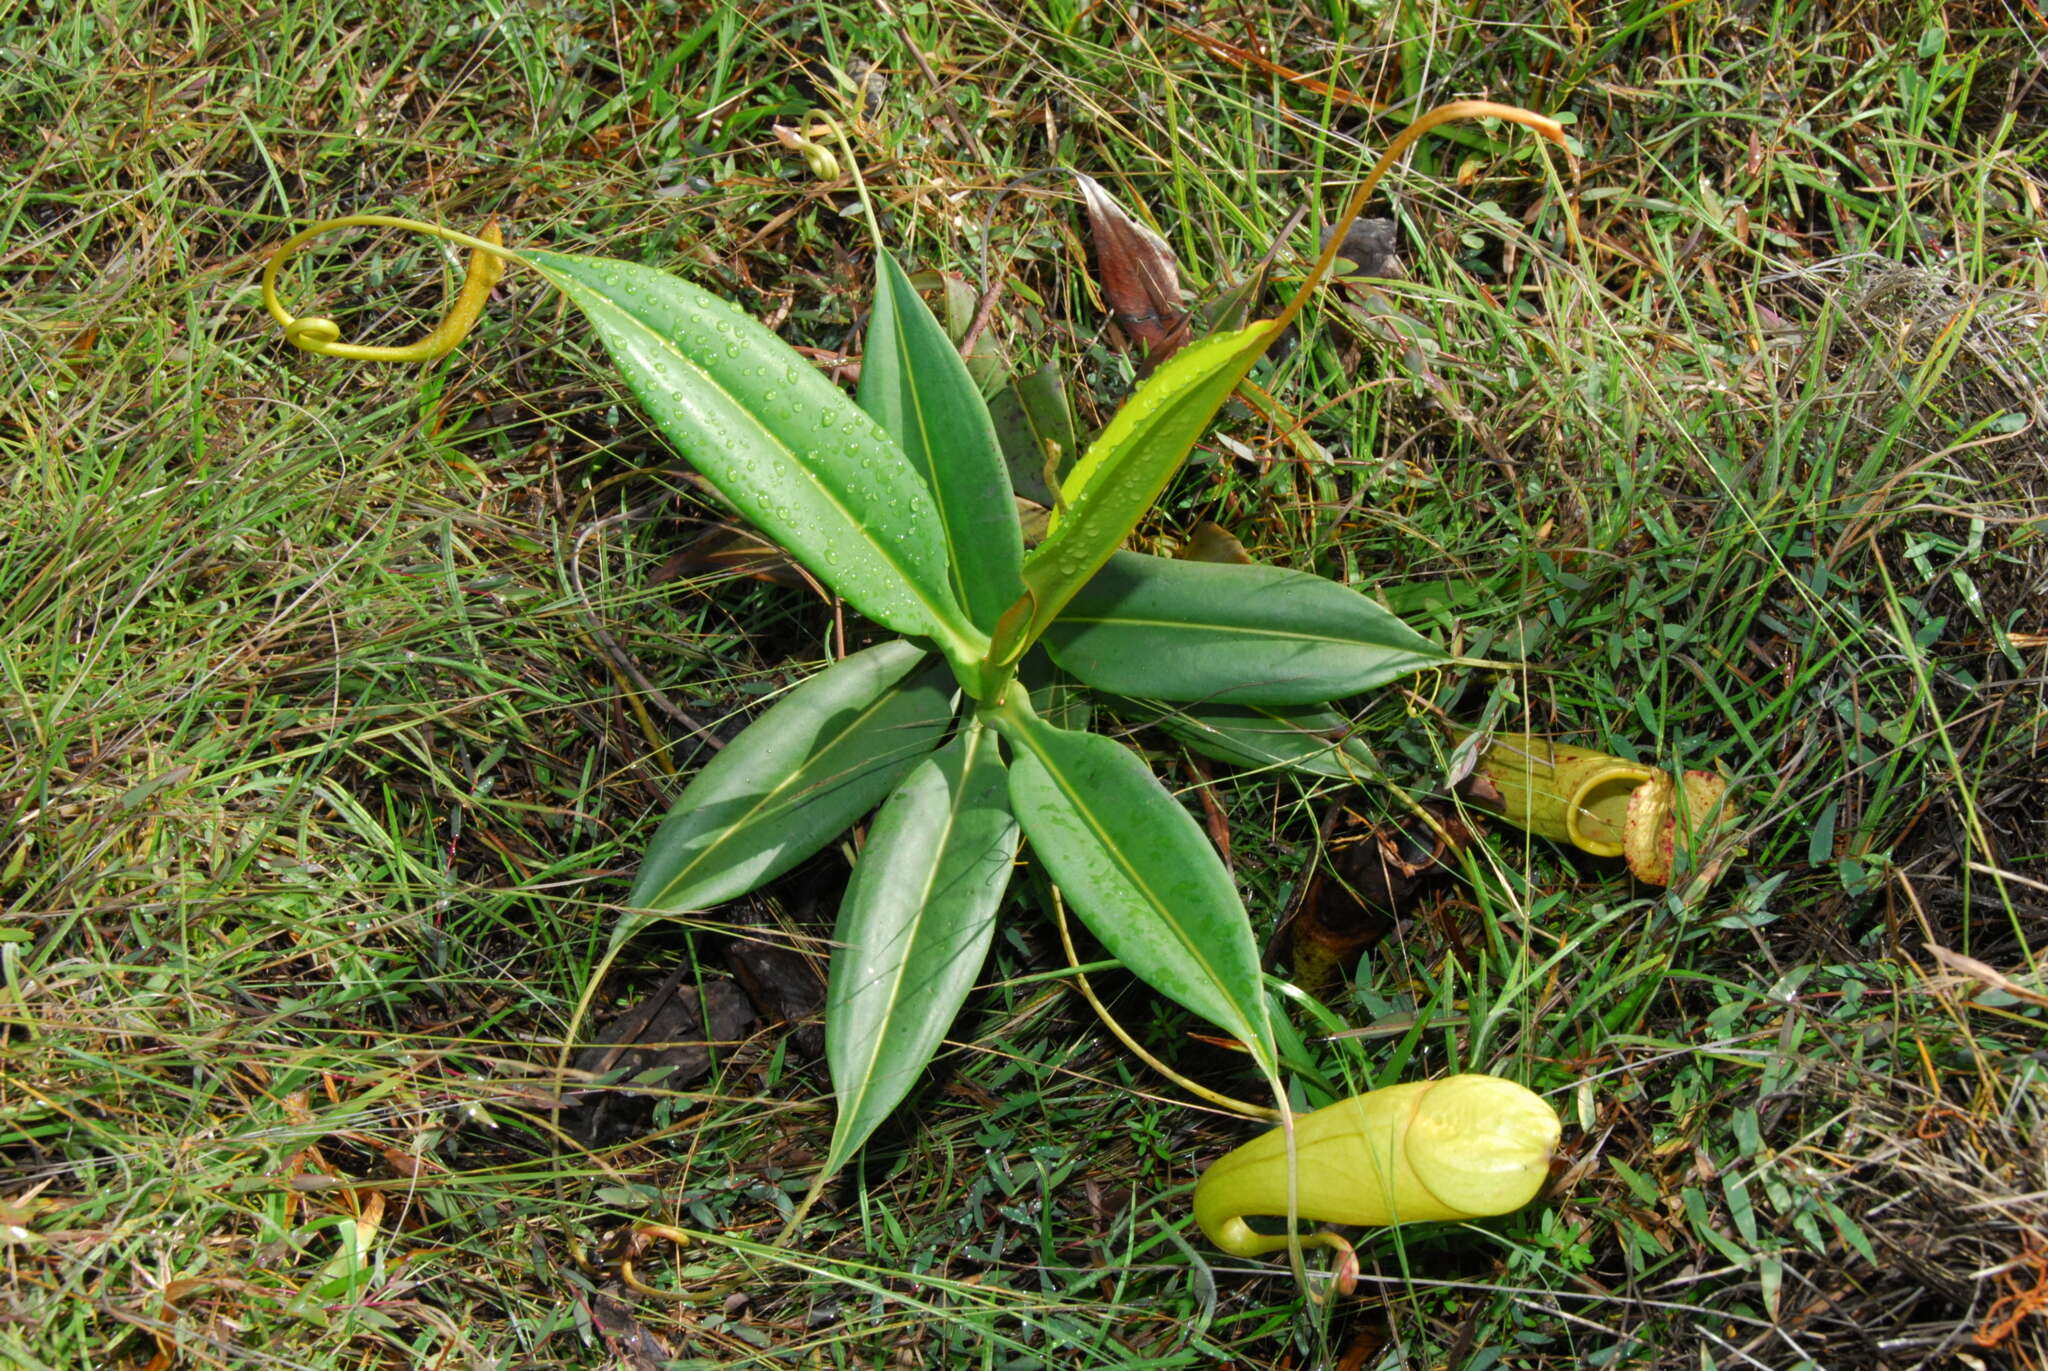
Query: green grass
x=336 y=702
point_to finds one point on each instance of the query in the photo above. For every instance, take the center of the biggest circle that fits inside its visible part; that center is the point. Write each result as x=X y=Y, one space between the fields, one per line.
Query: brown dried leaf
x=786 y=986
x=1985 y=975
x=1370 y=879
x=1372 y=248
x=637 y=1347
x=677 y=1027
x=1139 y=275
x=1213 y=543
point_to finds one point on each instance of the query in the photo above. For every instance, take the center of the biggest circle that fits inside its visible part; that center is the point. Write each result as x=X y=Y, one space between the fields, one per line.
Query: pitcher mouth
x=1596 y=814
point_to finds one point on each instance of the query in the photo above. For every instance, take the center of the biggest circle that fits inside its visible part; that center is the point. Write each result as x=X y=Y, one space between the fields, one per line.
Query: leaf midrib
x=936 y=612
x=1087 y=815
x=802 y=773
x=1252 y=630
x=916 y=926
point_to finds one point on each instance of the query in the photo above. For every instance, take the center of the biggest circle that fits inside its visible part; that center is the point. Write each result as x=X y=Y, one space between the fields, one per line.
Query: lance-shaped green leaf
x=796 y=778
x=1123 y=472
x=1314 y=742
x=914 y=383
x=1139 y=872
x=914 y=929
x=800 y=459
x=1169 y=629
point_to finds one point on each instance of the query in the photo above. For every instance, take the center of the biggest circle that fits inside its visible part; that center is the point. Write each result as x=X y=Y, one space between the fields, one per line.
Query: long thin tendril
x=1241 y=1108
x=1442 y=114
x=316 y=333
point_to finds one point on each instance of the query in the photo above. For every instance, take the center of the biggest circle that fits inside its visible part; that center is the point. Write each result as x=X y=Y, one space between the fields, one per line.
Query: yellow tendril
x=1239 y=1107
x=1442 y=114
x=316 y=333
x=632 y=1245
x=807 y=140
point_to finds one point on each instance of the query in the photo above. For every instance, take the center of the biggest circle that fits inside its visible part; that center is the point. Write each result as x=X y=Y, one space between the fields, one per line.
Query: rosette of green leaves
x=900 y=503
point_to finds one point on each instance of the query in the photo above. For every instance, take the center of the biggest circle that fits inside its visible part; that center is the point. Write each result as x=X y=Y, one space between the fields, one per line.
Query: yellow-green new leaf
x=1124 y=471
x=800 y=459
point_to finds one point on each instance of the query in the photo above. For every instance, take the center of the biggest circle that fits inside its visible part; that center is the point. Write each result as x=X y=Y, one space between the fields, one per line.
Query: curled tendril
x=808 y=140
x=628 y=1248
x=487 y=258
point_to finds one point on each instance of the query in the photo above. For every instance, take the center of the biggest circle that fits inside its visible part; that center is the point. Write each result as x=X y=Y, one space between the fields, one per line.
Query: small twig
x=2004 y=875
x=616 y=655
x=991 y=292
